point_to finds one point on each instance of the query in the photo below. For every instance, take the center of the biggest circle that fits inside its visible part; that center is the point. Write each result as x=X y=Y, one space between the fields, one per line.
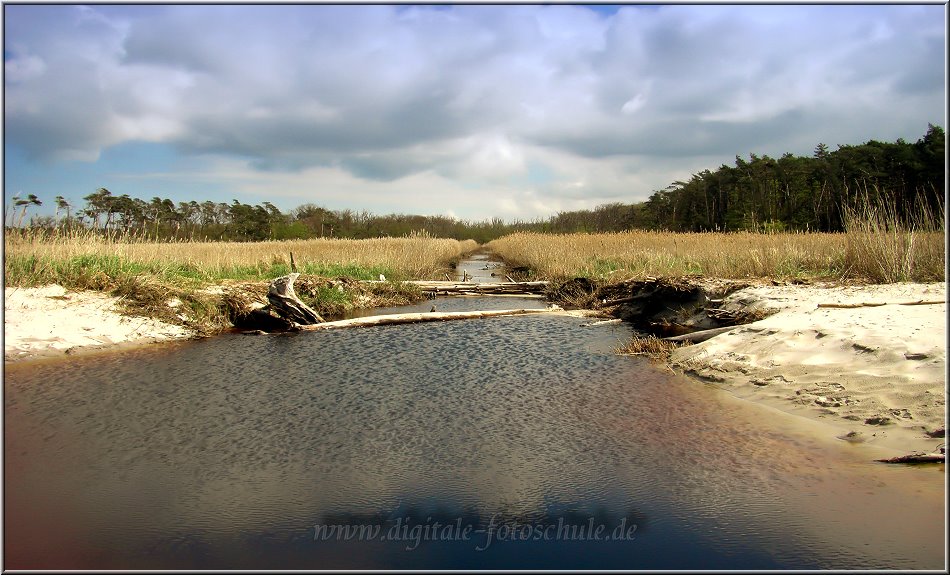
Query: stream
x=503 y=443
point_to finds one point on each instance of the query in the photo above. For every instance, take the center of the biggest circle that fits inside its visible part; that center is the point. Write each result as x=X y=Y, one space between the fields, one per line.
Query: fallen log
x=462 y=288
x=419 y=317
x=603 y=322
x=700 y=336
x=916 y=458
x=856 y=305
x=517 y=295
x=284 y=301
x=438 y=284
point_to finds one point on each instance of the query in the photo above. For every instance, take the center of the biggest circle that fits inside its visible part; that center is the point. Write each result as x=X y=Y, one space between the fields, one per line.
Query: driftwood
x=603 y=322
x=517 y=295
x=855 y=305
x=284 y=301
x=726 y=315
x=436 y=288
x=700 y=336
x=917 y=458
x=419 y=317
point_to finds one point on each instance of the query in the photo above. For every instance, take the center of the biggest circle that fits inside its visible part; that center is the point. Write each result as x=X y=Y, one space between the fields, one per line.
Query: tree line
x=758 y=194
x=806 y=193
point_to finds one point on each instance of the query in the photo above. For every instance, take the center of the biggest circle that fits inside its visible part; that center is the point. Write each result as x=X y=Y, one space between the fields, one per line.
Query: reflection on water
x=259 y=452
x=481 y=268
x=451 y=303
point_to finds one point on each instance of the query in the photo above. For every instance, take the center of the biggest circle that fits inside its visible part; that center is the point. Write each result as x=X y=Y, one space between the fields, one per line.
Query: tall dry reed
x=412 y=257
x=868 y=251
x=646 y=253
x=884 y=248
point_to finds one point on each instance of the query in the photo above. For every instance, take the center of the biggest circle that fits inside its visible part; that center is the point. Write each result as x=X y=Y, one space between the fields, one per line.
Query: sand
x=875 y=374
x=48 y=321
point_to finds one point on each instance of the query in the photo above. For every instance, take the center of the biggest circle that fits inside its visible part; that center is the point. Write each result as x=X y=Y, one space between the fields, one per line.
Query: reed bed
x=863 y=253
x=34 y=258
x=147 y=275
x=879 y=247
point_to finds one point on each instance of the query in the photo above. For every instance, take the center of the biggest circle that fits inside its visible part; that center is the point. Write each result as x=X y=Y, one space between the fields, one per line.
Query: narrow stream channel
x=520 y=442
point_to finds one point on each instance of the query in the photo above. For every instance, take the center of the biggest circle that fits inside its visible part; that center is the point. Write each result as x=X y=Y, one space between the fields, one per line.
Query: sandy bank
x=50 y=320
x=876 y=373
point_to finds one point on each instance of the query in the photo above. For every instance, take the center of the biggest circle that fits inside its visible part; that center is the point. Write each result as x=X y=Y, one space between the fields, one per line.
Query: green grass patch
x=100 y=271
x=146 y=288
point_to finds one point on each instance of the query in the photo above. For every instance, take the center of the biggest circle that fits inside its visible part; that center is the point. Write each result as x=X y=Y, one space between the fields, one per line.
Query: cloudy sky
x=468 y=111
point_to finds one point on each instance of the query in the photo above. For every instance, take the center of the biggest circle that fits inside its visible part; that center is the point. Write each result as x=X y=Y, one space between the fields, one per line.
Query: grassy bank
x=35 y=258
x=147 y=275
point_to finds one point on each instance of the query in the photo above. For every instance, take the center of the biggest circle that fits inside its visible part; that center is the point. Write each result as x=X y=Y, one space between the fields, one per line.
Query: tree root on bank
x=284 y=301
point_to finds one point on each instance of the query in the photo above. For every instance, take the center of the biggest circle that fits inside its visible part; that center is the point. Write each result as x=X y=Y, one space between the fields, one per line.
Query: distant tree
x=208 y=211
x=317 y=219
x=250 y=223
x=31 y=200
x=11 y=209
x=62 y=205
x=130 y=212
x=46 y=222
x=98 y=203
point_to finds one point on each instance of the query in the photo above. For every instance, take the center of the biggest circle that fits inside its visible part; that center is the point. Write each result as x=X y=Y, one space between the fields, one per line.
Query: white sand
x=50 y=321
x=876 y=372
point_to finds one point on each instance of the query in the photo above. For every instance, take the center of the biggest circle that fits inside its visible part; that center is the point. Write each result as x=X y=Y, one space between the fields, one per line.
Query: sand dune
x=50 y=320
x=878 y=374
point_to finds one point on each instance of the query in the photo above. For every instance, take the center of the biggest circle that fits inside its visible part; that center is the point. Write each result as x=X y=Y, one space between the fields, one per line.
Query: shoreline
x=51 y=321
x=876 y=373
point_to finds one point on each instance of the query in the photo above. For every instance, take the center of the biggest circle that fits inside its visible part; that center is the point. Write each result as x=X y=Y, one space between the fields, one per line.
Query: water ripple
x=223 y=453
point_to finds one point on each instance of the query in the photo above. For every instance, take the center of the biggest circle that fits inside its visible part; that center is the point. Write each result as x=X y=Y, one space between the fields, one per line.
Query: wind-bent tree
x=11 y=209
x=62 y=205
x=31 y=200
x=756 y=193
x=98 y=203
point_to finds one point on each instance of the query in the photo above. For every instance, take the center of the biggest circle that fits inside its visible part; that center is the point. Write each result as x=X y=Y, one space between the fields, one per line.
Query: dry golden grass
x=147 y=274
x=883 y=250
x=656 y=349
x=413 y=257
x=618 y=256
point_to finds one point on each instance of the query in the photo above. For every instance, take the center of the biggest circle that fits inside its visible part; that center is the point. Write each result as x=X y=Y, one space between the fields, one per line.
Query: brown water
x=260 y=452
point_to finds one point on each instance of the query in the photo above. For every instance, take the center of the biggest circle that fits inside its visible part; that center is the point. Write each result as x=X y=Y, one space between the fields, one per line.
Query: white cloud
x=634 y=104
x=470 y=97
x=23 y=68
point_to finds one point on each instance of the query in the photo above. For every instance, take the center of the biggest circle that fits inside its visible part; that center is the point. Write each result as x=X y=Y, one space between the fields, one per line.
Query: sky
x=468 y=111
